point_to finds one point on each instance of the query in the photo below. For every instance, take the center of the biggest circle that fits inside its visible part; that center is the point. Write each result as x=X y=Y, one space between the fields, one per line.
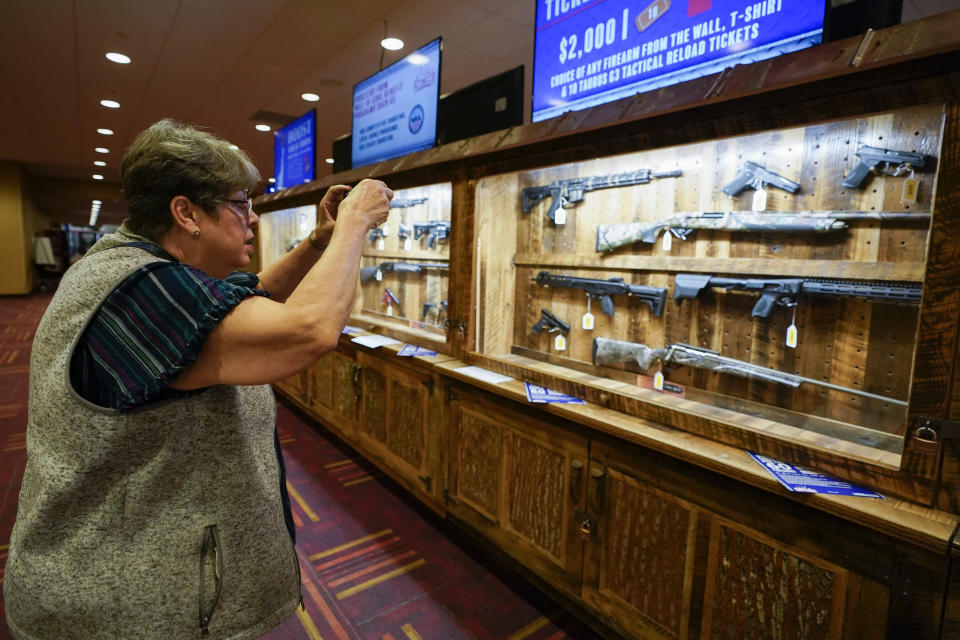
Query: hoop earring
x=196 y=233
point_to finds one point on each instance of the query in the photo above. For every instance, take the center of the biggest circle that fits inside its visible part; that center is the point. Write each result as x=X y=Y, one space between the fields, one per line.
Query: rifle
x=607 y=351
x=377 y=233
x=784 y=291
x=572 y=190
x=366 y=273
x=551 y=323
x=403 y=231
x=427 y=306
x=755 y=176
x=604 y=289
x=871 y=157
x=435 y=230
x=611 y=236
x=403 y=203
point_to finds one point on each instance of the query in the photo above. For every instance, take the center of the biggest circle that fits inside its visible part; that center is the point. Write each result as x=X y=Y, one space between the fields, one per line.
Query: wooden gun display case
x=642 y=506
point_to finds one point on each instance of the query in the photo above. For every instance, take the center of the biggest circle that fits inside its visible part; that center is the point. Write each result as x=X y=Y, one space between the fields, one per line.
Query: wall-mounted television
x=588 y=53
x=395 y=109
x=488 y=105
x=295 y=151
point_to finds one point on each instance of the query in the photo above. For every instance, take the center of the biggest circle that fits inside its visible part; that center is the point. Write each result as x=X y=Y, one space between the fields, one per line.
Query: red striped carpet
x=375 y=566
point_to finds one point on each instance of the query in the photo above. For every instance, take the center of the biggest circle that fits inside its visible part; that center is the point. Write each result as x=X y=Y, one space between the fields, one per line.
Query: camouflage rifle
x=784 y=291
x=607 y=351
x=611 y=236
x=571 y=191
x=403 y=203
x=604 y=289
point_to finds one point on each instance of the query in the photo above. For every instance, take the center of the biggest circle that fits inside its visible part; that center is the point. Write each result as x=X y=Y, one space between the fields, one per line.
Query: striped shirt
x=151 y=327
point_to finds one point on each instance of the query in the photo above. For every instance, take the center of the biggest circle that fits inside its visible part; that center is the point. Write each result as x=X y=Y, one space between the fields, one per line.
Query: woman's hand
x=327 y=213
x=368 y=204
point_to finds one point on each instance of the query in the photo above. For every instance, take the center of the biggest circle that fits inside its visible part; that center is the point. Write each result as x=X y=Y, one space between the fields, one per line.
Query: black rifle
x=435 y=230
x=607 y=351
x=753 y=175
x=427 y=306
x=551 y=323
x=377 y=233
x=403 y=203
x=872 y=157
x=572 y=190
x=604 y=289
x=389 y=297
x=611 y=236
x=366 y=273
x=784 y=291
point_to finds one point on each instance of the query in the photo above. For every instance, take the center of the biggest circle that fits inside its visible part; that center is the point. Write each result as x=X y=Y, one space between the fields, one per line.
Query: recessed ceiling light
x=102 y=150
x=329 y=160
x=392 y=44
x=263 y=127
x=310 y=97
x=99 y=163
x=106 y=132
x=97 y=176
x=110 y=104
x=119 y=58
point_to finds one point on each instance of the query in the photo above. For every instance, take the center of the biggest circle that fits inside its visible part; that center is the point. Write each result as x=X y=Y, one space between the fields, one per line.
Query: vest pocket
x=211 y=575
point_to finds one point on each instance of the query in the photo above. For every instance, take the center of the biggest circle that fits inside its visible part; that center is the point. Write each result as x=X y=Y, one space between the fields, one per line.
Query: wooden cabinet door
x=518 y=481
x=394 y=421
x=344 y=394
x=321 y=384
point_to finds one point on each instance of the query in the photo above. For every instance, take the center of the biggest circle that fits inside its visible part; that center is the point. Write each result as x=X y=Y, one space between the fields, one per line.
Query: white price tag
x=560 y=217
x=658 y=381
x=667 y=240
x=389 y=309
x=560 y=343
x=381 y=245
x=587 y=322
x=760 y=200
x=792 y=336
x=910 y=188
x=407 y=244
x=378 y=275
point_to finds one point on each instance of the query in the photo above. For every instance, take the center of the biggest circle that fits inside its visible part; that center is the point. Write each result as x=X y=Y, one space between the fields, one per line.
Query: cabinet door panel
x=407 y=424
x=321 y=388
x=511 y=477
x=344 y=388
x=373 y=411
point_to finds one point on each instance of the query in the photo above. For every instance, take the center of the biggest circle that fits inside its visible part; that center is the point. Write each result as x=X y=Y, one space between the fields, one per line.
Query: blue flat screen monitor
x=395 y=110
x=591 y=52
x=295 y=151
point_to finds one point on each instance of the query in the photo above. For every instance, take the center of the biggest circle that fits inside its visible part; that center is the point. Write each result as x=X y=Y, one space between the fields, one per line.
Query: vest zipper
x=211 y=541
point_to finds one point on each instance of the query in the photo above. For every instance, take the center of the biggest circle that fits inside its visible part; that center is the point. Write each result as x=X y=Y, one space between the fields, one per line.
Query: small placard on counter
x=373 y=341
x=483 y=374
x=414 y=350
x=348 y=330
x=807 y=481
x=542 y=395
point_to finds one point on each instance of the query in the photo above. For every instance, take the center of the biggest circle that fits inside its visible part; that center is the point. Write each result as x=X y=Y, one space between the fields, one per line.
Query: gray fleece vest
x=141 y=524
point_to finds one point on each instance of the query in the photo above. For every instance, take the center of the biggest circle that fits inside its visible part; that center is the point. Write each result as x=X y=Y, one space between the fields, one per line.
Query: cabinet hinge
x=427 y=482
x=449 y=499
x=931 y=431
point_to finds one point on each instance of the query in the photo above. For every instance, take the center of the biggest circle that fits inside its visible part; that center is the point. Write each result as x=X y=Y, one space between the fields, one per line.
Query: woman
x=151 y=504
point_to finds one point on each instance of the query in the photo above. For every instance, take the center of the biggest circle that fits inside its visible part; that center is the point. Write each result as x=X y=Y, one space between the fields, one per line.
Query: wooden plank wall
x=852 y=343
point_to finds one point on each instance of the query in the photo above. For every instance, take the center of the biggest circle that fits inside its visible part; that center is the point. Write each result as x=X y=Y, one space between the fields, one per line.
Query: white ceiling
x=217 y=63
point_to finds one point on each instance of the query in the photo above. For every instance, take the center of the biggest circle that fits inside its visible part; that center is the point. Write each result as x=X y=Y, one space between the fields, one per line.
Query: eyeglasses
x=244 y=205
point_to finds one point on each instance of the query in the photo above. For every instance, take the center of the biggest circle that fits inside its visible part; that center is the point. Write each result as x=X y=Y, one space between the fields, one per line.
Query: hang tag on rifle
x=378 y=275
x=560 y=217
x=587 y=320
x=760 y=199
x=560 y=342
x=911 y=186
x=407 y=244
x=658 y=381
x=667 y=240
x=791 y=340
x=381 y=245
